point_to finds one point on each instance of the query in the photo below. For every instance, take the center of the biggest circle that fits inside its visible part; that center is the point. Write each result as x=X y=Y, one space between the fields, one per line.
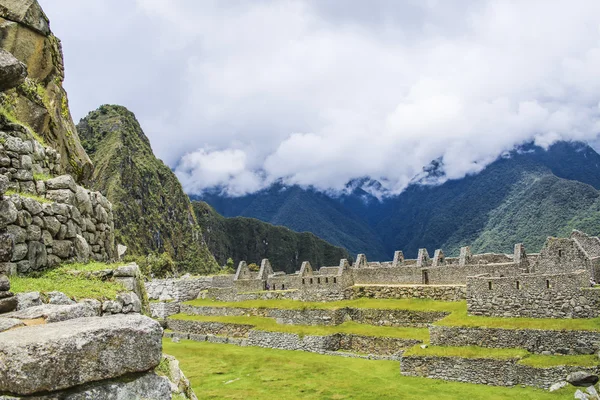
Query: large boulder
x=28 y=299
x=8 y=304
x=47 y=358
x=4 y=283
x=12 y=71
x=26 y=12
x=582 y=378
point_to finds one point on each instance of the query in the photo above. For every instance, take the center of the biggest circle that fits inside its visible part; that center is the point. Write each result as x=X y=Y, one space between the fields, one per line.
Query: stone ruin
x=552 y=284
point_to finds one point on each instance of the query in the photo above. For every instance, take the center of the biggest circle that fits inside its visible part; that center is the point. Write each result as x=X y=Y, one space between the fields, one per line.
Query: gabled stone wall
x=565 y=295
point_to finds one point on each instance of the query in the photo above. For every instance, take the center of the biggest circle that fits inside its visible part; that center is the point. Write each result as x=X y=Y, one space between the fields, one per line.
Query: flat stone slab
x=55 y=313
x=9 y=323
x=146 y=386
x=47 y=358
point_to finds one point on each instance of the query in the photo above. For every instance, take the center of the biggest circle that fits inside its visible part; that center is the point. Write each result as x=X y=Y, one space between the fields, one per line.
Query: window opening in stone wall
x=318 y=280
x=311 y=281
x=560 y=253
x=518 y=285
x=490 y=285
x=282 y=287
x=334 y=280
x=326 y=280
x=547 y=283
x=303 y=282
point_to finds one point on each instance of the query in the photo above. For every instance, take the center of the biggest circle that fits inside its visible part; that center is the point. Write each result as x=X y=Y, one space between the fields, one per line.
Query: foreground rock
x=9 y=323
x=56 y=313
x=77 y=352
x=581 y=378
x=12 y=71
x=145 y=386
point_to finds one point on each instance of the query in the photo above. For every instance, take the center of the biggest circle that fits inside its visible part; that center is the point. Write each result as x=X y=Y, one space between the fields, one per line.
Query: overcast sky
x=240 y=93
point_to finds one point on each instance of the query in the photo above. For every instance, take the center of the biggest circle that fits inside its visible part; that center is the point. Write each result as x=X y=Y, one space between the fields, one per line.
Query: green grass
x=75 y=286
x=383 y=304
x=91 y=266
x=540 y=361
x=466 y=352
x=218 y=371
x=269 y=324
x=457 y=310
x=460 y=318
x=39 y=199
x=42 y=177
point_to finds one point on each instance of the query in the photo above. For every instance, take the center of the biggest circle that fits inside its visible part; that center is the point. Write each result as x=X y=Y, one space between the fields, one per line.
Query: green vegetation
x=540 y=361
x=152 y=213
x=460 y=318
x=466 y=352
x=219 y=371
x=159 y=265
x=73 y=280
x=37 y=198
x=457 y=312
x=252 y=240
x=385 y=304
x=269 y=324
x=41 y=177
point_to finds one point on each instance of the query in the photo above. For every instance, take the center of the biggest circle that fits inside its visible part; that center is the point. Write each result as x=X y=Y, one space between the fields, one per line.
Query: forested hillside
x=252 y=240
x=524 y=196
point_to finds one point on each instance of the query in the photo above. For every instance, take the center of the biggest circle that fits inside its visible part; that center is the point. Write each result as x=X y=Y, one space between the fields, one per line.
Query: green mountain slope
x=152 y=213
x=252 y=240
x=305 y=211
x=524 y=197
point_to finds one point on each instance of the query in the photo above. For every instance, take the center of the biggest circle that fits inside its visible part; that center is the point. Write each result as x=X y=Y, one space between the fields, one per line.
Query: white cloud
x=242 y=93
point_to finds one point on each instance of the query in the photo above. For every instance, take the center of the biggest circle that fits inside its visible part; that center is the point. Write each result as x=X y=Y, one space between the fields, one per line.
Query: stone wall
x=487 y=371
x=162 y=310
x=533 y=340
x=209 y=328
x=325 y=317
x=392 y=275
x=442 y=293
x=561 y=255
x=292 y=341
x=538 y=296
x=52 y=221
x=546 y=377
x=185 y=289
x=452 y=274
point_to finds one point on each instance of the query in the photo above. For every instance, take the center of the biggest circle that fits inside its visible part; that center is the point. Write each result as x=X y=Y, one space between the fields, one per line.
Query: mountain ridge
x=449 y=215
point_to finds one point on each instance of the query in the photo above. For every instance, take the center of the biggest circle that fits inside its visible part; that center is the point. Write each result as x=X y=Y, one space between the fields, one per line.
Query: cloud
x=241 y=94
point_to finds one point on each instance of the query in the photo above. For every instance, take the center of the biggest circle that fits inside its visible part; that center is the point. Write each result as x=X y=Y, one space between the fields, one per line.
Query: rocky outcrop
x=12 y=71
x=40 y=102
x=77 y=352
x=152 y=212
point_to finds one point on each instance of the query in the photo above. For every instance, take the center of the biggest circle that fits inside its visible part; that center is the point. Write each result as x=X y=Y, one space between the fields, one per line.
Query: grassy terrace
x=540 y=361
x=457 y=310
x=382 y=304
x=466 y=352
x=269 y=324
x=524 y=357
x=218 y=371
x=70 y=279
